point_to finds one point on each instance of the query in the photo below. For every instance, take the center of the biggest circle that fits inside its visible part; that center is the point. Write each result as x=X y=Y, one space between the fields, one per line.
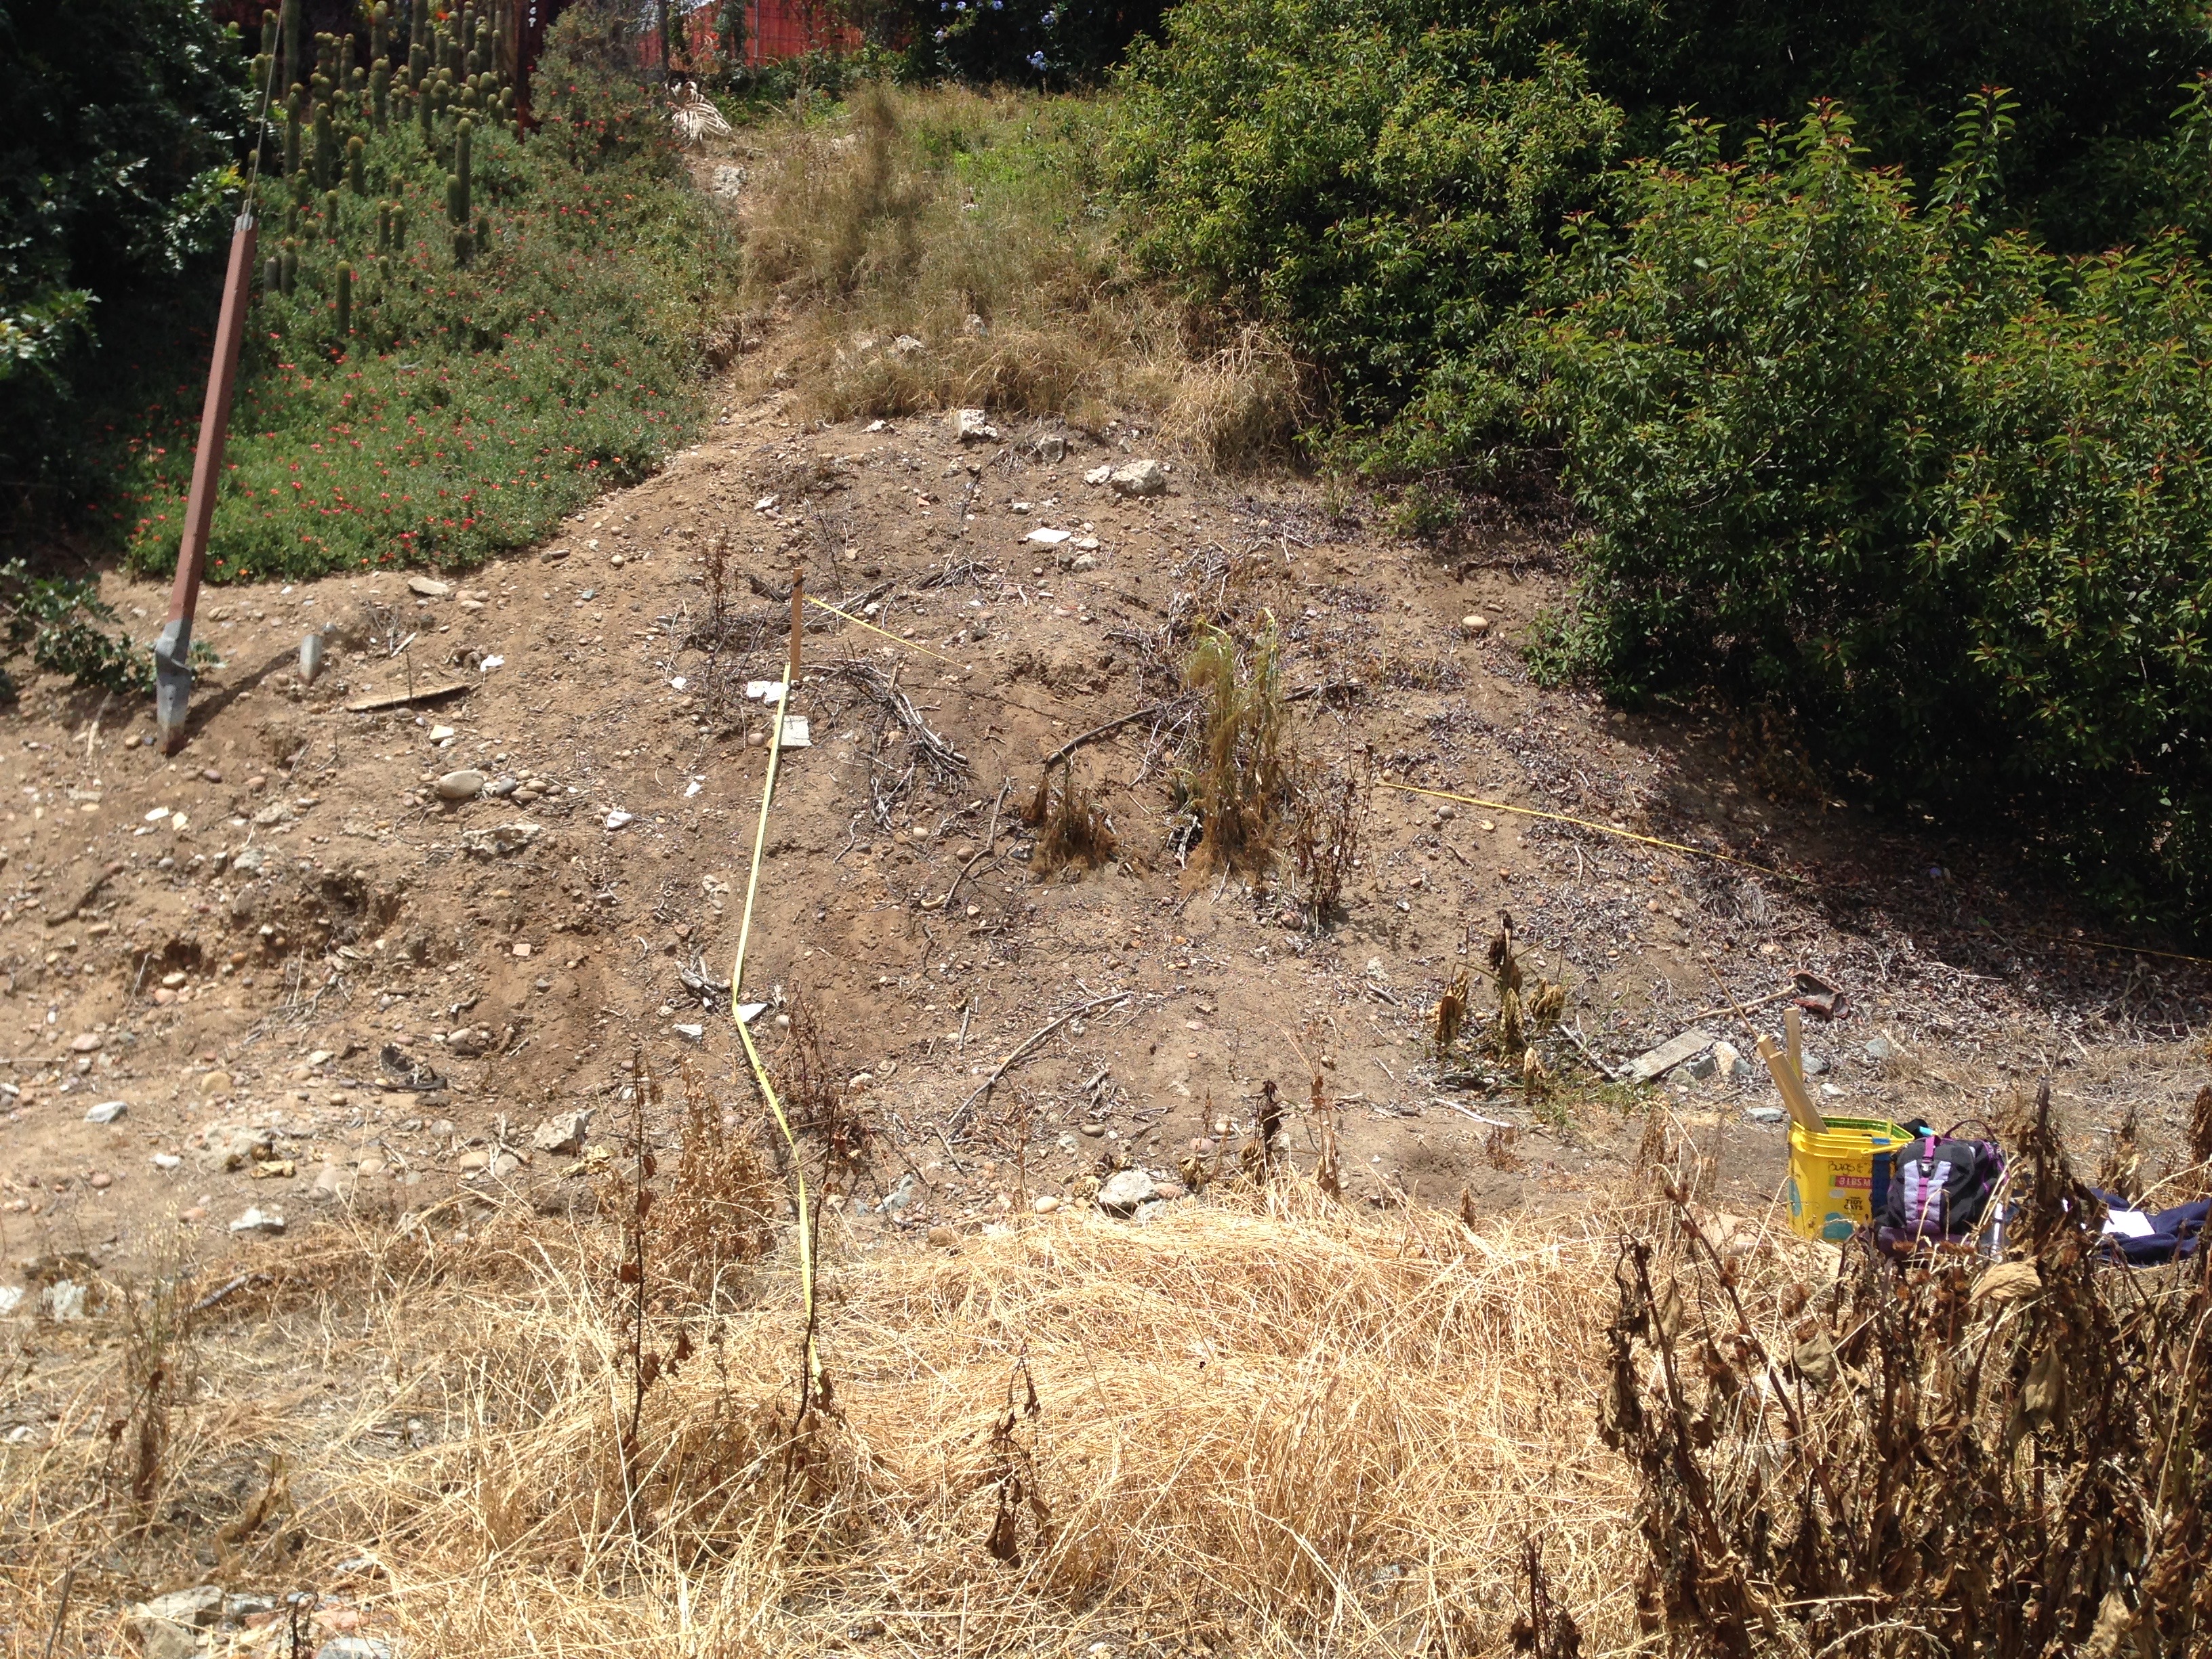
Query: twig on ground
x=990 y=838
x=1107 y=730
x=960 y=1117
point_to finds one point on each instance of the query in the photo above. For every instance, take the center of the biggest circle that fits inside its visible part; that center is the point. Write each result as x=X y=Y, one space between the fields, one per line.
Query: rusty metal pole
x=172 y=675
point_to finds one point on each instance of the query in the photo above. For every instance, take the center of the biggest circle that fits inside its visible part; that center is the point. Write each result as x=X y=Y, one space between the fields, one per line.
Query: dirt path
x=250 y=944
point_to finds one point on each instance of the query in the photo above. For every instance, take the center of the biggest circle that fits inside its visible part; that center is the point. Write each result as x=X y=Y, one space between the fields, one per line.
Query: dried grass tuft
x=947 y=248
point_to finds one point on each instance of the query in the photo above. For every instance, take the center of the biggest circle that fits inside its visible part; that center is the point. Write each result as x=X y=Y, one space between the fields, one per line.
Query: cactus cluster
x=446 y=76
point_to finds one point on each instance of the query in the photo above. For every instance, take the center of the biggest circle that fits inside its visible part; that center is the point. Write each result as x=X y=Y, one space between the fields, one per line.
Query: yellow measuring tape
x=909 y=644
x=1602 y=828
x=752 y=1054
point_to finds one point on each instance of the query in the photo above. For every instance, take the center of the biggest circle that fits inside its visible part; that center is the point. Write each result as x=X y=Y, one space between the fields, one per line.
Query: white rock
x=1728 y=1060
x=428 y=587
x=354 y=1647
x=107 y=1112
x=1098 y=475
x=1475 y=627
x=465 y=785
x=972 y=426
x=1048 y=537
x=690 y=1033
x=259 y=1220
x=1125 y=1191
x=64 y=1299
x=1764 y=1115
x=564 y=1135
x=1139 y=478
x=1084 y=562
x=1046 y=1205
x=12 y=1298
x=617 y=819
x=166 y=1161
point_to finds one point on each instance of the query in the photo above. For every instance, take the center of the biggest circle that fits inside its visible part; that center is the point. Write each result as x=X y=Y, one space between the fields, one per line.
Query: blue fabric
x=2174 y=1234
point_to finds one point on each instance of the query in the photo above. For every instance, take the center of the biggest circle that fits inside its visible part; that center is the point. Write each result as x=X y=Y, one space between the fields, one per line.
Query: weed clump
x=1238 y=782
x=1074 y=828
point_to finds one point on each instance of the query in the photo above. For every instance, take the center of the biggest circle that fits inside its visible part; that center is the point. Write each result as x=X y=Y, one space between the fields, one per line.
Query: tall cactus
x=292 y=103
x=356 y=172
x=379 y=31
x=345 y=300
x=267 y=35
x=290 y=28
x=425 y=101
x=379 y=94
x=463 y=145
x=330 y=215
x=272 y=276
x=325 y=147
x=289 y=266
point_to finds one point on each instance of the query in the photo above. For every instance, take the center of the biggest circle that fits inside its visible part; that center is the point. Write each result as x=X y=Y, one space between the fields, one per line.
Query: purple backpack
x=1938 y=1188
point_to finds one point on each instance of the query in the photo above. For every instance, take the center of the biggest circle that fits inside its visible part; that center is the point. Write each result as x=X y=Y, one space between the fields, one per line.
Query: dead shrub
x=818 y=1102
x=1952 y=1456
x=717 y=1215
x=1327 y=813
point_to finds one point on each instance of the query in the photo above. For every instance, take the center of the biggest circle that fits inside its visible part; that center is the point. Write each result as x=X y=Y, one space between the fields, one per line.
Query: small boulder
x=1124 y=1191
x=563 y=1136
x=428 y=587
x=943 y=1237
x=1098 y=475
x=973 y=426
x=1139 y=478
x=465 y=785
x=257 y=1220
x=107 y=1112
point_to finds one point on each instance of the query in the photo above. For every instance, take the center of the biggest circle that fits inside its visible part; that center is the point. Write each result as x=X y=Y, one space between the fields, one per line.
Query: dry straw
x=1262 y=1423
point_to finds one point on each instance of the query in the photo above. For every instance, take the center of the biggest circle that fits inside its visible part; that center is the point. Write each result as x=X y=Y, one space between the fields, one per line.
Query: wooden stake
x=1803 y=1112
x=798 y=629
x=1793 y=1028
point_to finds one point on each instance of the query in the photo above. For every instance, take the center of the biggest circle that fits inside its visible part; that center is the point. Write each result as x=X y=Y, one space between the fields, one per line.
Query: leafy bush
x=1941 y=493
x=122 y=119
x=2096 y=81
x=468 y=396
x=1033 y=43
x=56 y=622
x=1363 y=177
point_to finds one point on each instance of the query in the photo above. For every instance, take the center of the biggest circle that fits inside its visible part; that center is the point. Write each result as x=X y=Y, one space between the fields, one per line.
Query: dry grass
x=948 y=248
x=1264 y=1424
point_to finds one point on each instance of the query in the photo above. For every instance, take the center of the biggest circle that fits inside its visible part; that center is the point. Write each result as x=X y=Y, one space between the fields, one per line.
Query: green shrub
x=1362 y=176
x=472 y=404
x=57 y=622
x=1942 y=495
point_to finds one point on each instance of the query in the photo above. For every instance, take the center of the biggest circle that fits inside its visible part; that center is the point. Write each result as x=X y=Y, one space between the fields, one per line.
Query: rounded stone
x=465 y=785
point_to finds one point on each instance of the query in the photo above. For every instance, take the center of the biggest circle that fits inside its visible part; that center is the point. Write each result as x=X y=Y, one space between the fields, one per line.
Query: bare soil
x=275 y=928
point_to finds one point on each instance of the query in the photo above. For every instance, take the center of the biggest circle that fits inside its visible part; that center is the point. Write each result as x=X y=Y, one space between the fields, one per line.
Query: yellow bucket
x=1839 y=1175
